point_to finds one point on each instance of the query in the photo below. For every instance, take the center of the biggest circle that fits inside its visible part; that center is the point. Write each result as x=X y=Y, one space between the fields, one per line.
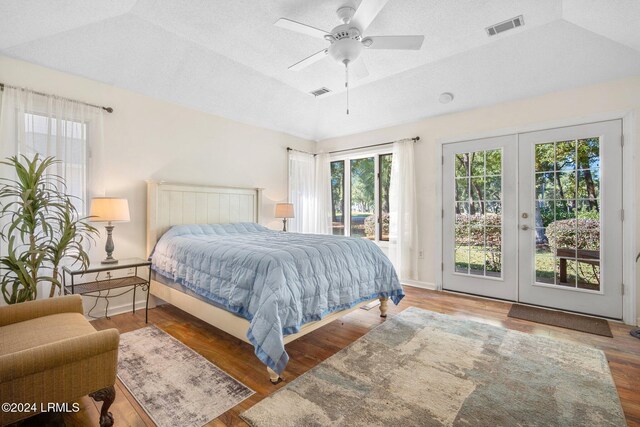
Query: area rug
x=425 y=369
x=572 y=321
x=175 y=385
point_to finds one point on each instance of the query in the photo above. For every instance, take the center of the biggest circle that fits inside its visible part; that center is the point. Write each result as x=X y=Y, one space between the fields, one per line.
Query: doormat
x=572 y=321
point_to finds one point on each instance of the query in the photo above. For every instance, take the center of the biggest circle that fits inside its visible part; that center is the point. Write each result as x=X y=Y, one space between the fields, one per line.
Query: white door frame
x=628 y=195
x=505 y=285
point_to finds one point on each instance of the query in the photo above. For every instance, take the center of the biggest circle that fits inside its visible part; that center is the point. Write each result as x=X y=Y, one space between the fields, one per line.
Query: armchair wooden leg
x=106 y=395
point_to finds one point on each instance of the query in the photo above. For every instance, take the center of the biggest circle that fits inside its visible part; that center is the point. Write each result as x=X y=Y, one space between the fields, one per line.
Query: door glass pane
x=462 y=189
x=545 y=157
x=478 y=211
x=476 y=262
x=337 y=197
x=385 y=182
x=567 y=192
x=462 y=164
x=462 y=260
x=545 y=186
x=545 y=268
x=363 y=219
x=493 y=264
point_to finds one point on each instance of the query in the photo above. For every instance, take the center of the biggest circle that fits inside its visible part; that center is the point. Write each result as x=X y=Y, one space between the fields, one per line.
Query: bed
x=212 y=259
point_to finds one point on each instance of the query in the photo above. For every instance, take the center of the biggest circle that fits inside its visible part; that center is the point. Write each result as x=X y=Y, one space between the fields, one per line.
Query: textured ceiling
x=227 y=57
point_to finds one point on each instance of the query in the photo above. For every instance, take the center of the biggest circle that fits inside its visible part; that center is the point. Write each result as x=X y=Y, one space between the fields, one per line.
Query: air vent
x=510 y=24
x=320 y=91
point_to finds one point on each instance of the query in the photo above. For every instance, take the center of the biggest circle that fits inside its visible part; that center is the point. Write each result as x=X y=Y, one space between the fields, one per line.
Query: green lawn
x=546 y=266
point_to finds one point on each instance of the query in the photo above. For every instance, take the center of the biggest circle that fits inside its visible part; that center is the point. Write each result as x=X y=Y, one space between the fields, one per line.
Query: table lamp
x=284 y=211
x=109 y=209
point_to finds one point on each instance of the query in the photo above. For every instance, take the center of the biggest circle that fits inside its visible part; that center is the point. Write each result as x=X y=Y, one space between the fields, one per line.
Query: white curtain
x=310 y=192
x=302 y=191
x=70 y=131
x=323 y=194
x=403 y=224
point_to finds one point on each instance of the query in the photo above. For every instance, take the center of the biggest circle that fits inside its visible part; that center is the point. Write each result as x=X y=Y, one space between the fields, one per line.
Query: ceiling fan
x=348 y=40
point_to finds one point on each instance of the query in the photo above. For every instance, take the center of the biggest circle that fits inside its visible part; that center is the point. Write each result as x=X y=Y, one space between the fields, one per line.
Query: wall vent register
x=320 y=91
x=507 y=25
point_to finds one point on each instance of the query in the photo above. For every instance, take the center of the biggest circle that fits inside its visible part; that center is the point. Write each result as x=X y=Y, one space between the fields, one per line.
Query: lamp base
x=109 y=247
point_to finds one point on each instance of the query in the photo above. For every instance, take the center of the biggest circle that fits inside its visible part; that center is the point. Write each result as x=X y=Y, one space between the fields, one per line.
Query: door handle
x=524 y=227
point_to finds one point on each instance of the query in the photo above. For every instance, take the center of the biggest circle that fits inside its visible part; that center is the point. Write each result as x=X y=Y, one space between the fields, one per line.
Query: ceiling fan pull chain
x=346 y=83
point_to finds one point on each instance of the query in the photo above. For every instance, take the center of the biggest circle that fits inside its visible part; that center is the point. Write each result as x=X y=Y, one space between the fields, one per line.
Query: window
x=568 y=222
x=361 y=184
x=478 y=213
x=385 y=181
x=362 y=196
x=66 y=140
x=337 y=197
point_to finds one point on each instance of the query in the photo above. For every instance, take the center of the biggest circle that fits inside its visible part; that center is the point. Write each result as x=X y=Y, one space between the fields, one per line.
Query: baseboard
x=419 y=284
x=118 y=309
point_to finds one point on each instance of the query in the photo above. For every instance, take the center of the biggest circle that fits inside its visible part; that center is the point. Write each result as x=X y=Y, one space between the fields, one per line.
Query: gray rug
x=425 y=369
x=175 y=385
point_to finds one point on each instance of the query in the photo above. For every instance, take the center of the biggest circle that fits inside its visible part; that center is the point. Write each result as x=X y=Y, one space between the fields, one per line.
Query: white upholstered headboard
x=171 y=204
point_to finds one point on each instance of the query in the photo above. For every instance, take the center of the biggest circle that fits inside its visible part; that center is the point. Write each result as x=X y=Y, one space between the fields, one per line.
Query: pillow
x=214 y=229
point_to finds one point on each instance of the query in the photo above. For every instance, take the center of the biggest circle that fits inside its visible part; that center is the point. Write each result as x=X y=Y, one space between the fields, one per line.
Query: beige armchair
x=49 y=353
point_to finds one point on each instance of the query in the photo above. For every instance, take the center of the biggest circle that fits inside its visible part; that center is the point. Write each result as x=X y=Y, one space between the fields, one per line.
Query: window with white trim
x=66 y=140
x=360 y=195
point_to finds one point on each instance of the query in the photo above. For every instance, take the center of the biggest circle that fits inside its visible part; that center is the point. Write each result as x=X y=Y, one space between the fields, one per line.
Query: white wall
x=583 y=103
x=150 y=139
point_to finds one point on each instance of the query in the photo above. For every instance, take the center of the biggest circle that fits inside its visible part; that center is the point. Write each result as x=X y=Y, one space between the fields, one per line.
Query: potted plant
x=41 y=228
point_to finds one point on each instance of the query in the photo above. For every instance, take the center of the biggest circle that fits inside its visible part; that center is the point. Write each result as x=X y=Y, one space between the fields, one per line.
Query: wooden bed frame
x=174 y=204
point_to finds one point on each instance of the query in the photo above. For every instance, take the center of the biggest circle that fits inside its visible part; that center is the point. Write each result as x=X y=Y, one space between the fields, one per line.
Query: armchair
x=49 y=353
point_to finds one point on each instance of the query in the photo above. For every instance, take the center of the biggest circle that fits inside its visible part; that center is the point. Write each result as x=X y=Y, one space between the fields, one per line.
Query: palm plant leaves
x=42 y=228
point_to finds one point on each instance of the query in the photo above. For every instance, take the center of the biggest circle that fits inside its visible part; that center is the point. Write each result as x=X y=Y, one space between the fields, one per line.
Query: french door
x=480 y=217
x=536 y=218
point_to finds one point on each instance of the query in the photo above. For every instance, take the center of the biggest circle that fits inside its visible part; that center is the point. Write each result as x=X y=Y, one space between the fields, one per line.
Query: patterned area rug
x=175 y=385
x=425 y=369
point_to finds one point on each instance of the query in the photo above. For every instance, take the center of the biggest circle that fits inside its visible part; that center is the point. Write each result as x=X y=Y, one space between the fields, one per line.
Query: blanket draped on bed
x=278 y=281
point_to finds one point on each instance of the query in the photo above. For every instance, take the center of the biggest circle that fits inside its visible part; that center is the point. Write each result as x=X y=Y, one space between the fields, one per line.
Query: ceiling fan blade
x=309 y=60
x=300 y=28
x=359 y=68
x=367 y=12
x=394 y=42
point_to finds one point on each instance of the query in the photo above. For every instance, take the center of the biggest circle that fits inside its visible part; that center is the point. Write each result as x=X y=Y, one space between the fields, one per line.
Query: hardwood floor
x=237 y=358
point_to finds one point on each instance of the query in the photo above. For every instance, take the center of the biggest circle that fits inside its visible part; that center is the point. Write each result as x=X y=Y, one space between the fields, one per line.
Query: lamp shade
x=284 y=210
x=105 y=209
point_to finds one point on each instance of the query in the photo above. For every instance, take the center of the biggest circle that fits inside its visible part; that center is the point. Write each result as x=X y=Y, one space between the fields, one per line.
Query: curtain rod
x=107 y=109
x=414 y=139
x=300 y=151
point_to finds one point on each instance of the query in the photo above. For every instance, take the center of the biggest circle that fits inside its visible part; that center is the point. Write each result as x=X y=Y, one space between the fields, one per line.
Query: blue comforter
x=278 y=281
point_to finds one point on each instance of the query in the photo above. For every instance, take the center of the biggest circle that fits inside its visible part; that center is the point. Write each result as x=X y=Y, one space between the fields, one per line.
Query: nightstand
x=101 y=278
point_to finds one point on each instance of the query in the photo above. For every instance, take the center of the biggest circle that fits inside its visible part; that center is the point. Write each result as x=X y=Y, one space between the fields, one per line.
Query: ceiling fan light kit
x=346 y=50
x=347 y=41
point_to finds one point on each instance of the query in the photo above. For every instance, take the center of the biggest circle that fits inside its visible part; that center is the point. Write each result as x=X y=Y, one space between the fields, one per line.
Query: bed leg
x=383 y=306
x=273 y=376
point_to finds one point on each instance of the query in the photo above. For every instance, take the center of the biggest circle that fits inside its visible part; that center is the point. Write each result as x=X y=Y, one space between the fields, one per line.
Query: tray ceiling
x=227 y=57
